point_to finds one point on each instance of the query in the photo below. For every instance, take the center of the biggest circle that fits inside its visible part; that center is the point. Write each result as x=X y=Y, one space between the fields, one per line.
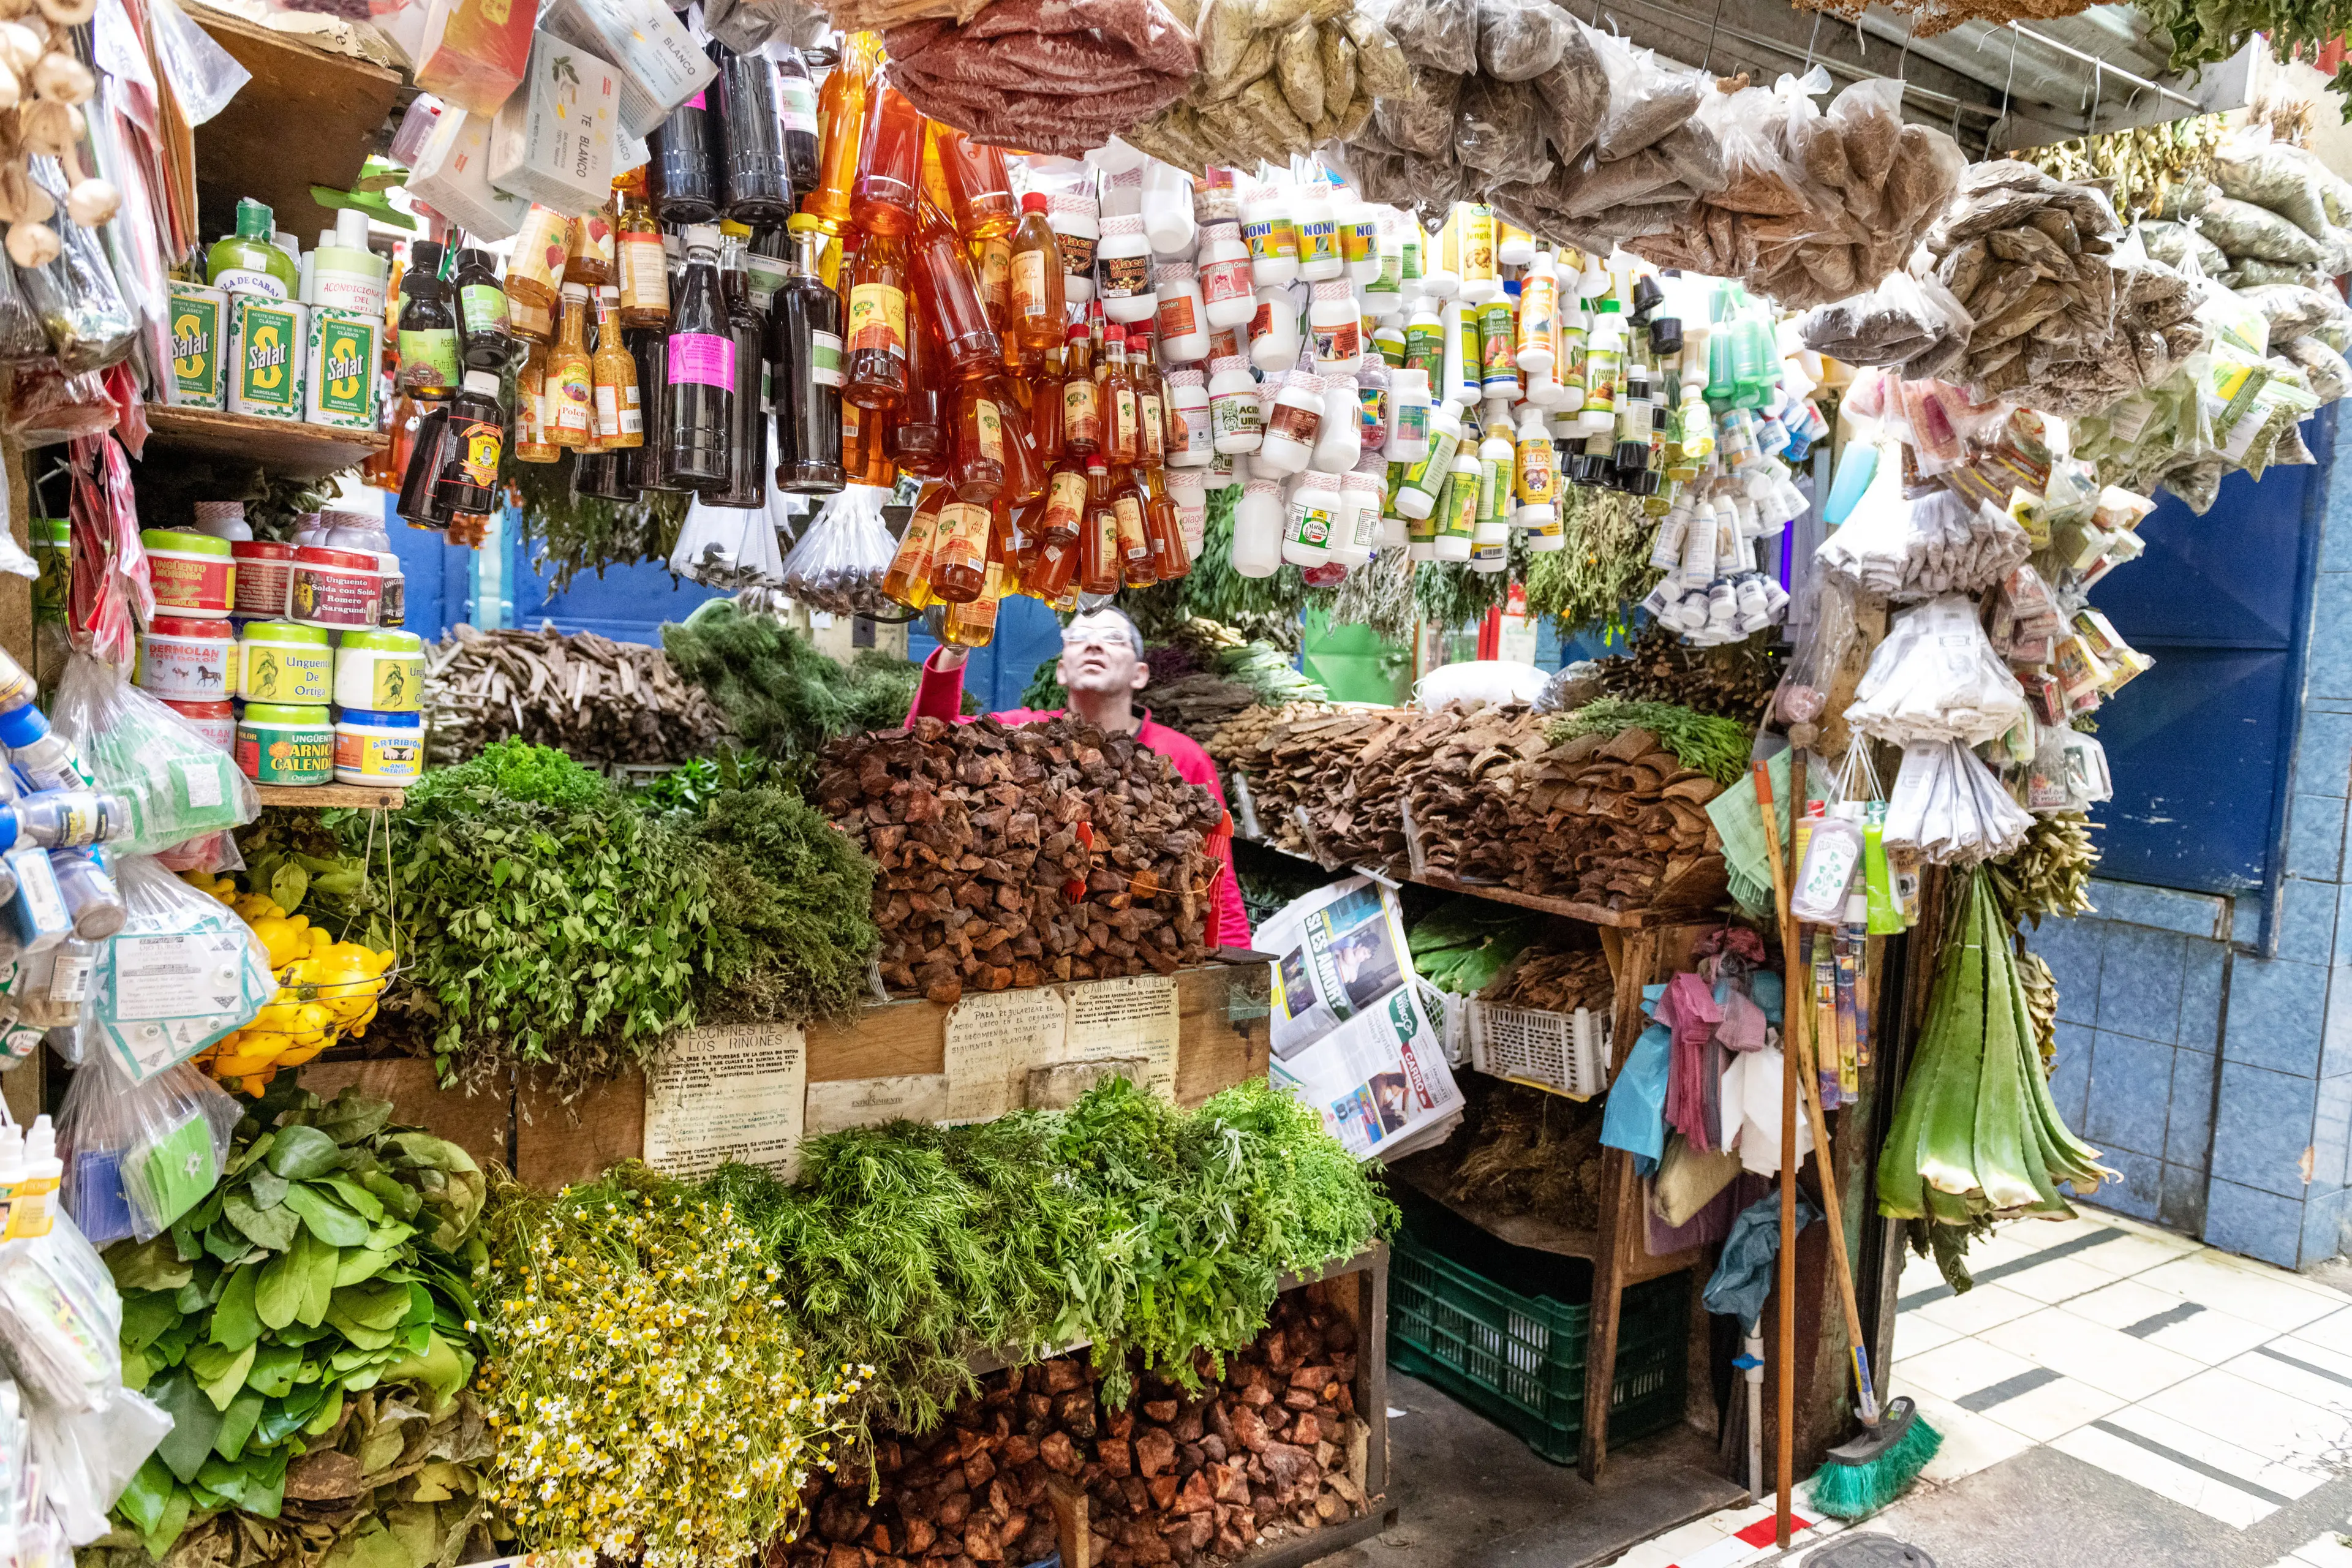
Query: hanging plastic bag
x=138 y=1156
x=841 y=559
x=2178 y=243
x=183 y=972
x=60 y=1320
x=46 y=406
x=178 y=783
x=1647 y=96
x=1574 y=96
x=731 y=548
x=1440 y=33
x=2251 y=167
x=1937 y=678
x=1499 y=131
x=85 y=1459
x=89 y=325
x=1519 y=40
x=21 y=337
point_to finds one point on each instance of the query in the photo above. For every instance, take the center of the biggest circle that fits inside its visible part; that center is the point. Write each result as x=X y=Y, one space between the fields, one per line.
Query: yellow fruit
x=300 y=1054
x=240 y=1067
x=283 y=939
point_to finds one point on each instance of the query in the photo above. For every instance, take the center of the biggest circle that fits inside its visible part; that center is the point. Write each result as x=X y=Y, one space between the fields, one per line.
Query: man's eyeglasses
x=1096 y=644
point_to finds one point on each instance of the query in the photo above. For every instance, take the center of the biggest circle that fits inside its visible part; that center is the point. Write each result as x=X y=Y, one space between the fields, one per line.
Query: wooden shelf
x=1591 y=914
x=1532 y=1231
x=315 y=797
x=284 y=447
x=309 y=117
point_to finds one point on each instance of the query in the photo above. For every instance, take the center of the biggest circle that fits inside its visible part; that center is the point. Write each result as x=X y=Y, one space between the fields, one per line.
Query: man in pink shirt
x=1102 y=668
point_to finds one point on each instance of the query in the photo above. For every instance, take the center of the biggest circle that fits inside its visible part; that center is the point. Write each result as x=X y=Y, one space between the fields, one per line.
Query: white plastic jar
x=1168 y=209
x=1223 y=472
x=1318 y=233
x=1514 y=246
x=1235 y=424
x=1225 y=276
x=1359 y=235
x=1272 y=237
x=1183 y=317
x=1215 y=198
x=1292 y=426
x=1359 y=498
x=1338 y=327
x=1338 y=441
x=1124 y=260
x=1188 y=439
x=1257 y=528
x=1189 y=491
x=1274 y=330
x=1312 y=515
x=1076 y=219
x=1416 y=496
x=1408 y=415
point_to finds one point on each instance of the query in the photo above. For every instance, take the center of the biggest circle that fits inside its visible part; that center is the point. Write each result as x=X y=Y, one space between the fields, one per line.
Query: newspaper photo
x=1349 y=1034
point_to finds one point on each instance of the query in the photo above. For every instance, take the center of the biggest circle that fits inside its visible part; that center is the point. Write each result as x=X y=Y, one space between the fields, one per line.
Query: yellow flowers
x=327 y=989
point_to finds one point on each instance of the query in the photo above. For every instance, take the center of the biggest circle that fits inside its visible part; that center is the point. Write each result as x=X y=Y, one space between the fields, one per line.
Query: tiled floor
x=2183 y=1378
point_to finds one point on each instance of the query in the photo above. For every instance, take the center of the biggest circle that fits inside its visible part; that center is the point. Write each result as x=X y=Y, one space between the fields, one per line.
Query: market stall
x=518 y=1091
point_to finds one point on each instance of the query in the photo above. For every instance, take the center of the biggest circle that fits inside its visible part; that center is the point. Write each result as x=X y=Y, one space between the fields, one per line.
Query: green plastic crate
x=1519 y=1359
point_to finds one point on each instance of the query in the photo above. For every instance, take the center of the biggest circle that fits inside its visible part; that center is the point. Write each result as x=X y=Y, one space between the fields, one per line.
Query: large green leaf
x=194 y=1423
x=353 y=1117
x=271 y=1226
x=255 y=1483
x=142 y=1500
x=284 y=1286
x=236 y=1425
x=145 y=1315
x=380 y=1304
x=220 y=1372
x=152 y=1264
x=302 y=1152
x=440 y=1368
x=329 y=1220
x=273 y=1369
x=235 y=1323
x=361 y=1263
x=355 y=1196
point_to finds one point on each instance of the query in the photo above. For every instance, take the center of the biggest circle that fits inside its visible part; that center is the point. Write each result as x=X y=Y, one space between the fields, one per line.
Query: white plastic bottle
x=1272 y=237
x=1307 y=525
x=1457 y=519
x=1383 y=291
x=1182 y=314
x=1409 y=415
x=1075 y=218
x=1462 y=370
x=1236 y=424
x=1189 y=488
x=1225 y=274
x=1361 y=487
x=1372 y=407
x=1124 y=260
x=1190 y=442
x=1538 y=471
x=1257 y=528
x=33 y=1206
x=1497 y=479
x=1538 y=309
x=1416 y=495
x=1168 y=209
x=1359 y=233
x=1337 y=328
x=1318 y=233
x=1222 y=473
x=1474 y=223
x=1274 y=330
x=1338 y=440
x=1291 y=427
x=1441 y=277
x=1514 y=246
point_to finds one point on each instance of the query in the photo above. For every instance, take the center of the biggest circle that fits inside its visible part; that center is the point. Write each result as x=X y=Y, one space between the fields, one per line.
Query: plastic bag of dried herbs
x=2251 y=167
x=2173 y=243
x=2241 y=228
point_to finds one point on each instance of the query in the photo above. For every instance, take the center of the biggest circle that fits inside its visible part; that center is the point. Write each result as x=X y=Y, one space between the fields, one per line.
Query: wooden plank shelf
x=1531 y=1231
x=315 y=797
x=308 y=117
x=286 y=446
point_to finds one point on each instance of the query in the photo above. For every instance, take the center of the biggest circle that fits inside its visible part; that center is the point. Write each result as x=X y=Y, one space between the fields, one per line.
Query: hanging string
x=1811 y=41
x=2002 y=120
x=1711 y=28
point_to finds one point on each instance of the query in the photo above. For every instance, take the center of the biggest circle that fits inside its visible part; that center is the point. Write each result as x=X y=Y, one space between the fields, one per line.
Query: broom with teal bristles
x=1859 y=1478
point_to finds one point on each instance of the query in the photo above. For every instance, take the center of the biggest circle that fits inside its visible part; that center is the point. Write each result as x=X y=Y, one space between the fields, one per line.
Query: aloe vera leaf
x=1947 y=1138
x=1901 y=1193
x=2007 y=1153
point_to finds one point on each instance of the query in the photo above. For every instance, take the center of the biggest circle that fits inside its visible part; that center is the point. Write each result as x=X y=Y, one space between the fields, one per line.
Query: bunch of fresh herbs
x=1605 y=568
x=1715 y=746
x=792 y=929
x=310 y=1329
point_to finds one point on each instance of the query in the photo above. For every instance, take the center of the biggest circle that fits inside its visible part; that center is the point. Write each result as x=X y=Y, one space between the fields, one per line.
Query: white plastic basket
x=1562 y=1052
x=1450 y=1015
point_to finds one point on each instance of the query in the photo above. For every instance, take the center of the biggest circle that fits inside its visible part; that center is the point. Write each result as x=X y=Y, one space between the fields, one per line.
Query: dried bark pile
x=1275 y=1448
x=1023 y=855
x=582 y=694
x=1553 y=982
x=1601 y=819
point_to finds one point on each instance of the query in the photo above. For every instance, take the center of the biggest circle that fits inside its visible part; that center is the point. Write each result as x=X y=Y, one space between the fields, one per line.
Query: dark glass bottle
x=699 y=385
x=466 y=483
x=428 y=326
x=804 y=372
x=420 y=505
x=684 y=173
x=602 y=475
x=747 y=454
x=796 y=108
x=484 y=343
x=641 y=463
x=755 y=185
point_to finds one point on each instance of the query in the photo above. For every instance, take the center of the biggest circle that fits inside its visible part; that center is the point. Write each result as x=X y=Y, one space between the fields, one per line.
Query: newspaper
x=1349 y=1034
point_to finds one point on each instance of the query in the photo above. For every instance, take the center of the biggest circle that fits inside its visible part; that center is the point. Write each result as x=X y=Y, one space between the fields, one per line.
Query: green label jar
x=279 y=743
x=379 y=671
x=280 y=662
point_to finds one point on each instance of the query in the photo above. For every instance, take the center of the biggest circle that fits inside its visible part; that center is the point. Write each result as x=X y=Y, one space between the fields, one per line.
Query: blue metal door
x=2200 y=745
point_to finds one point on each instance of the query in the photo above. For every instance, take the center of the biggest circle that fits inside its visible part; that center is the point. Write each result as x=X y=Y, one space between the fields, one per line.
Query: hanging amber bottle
x=642 y=262
x=1064 y=514
x=960 y=548
x=571 y=379
x=842 y=105
x=874 y=374
x=1099 y=563
x=909 y=580
x=1081 y=398
x=1123 y=417
x=1134 y=532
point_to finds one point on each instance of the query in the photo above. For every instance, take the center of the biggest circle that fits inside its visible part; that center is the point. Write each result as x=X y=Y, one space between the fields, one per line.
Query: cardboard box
x=553 y=144
x=452 y=176
x=659 y=65
x=473 y=52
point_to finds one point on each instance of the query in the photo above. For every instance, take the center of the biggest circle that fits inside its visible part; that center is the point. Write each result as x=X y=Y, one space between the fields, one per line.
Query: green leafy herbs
x=1594 y=582
x=309 y=1328
x=792 y=931
x=1265 y=607
x=1461 y=944
x=781 y=695
x=2201 y=33
x=1714 y=746
x=654 y=1402
x=568 y=533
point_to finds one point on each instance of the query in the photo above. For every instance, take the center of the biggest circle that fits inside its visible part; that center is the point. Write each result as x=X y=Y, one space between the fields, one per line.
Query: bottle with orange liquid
x=1164 y=525
x=1037 y=300
x=972 y=623
x=889 y=166
x=571 y=378
x=944 y=286
x=1150 y=402
x=1064 y=515
x=979 y=467
x=1041 y=397
x=1098 y=560
x=921 y=437
x=641 y=261
x=1134 y=533
x=909 y=580
x=1024 y=475
x=842 y=105
x=978 y=185
x=874 y=374
x=1082 y=429
x=960 y=548
x=1123 y=413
